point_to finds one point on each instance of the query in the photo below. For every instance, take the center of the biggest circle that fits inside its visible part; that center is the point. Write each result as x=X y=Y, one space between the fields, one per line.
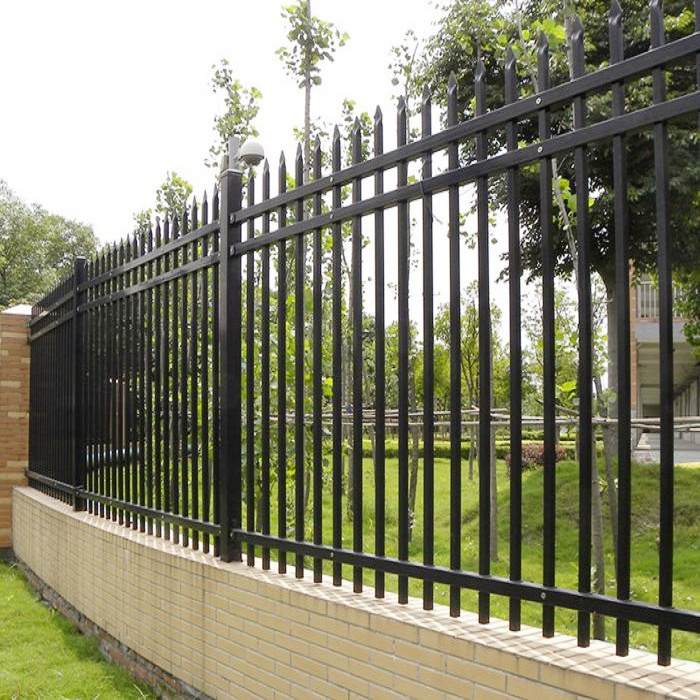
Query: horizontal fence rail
x=265 y=384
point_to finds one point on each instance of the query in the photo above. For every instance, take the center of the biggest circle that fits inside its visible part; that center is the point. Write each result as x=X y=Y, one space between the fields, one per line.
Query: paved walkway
x=647 y=450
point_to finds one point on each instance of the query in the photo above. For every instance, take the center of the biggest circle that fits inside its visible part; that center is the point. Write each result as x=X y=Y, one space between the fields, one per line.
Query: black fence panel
x=293 y=377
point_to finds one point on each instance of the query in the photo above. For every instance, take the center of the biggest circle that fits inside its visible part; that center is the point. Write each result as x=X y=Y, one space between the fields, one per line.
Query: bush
x=533 y=455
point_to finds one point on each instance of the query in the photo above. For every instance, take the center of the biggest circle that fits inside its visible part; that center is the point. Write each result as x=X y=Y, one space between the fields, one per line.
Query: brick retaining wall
x=14 y=414
x=232 y=631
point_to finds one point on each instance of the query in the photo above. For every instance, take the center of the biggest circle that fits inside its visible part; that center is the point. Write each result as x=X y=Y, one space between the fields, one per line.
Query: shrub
x=533 y=455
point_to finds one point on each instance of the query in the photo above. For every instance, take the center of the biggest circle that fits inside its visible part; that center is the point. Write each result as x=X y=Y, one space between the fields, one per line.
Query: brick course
x=232 y=631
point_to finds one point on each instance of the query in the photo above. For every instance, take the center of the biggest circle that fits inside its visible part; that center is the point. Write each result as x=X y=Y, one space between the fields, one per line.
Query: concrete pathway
x=684 y=451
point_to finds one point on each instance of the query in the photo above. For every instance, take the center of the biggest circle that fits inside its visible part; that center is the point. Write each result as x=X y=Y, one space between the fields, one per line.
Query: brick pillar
x=14 y=412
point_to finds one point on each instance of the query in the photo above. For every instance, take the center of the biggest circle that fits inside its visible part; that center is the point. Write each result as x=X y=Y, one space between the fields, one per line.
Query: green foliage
x=689 y=305
x=171 y=201
x=469 y=355
x=470 y=27
x=37 y=249
x=172 y=195
x=241 y=105
x=312 y=41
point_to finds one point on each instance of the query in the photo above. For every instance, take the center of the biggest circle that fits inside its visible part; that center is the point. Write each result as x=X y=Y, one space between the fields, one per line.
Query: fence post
x=77 y=399
x=230 y=320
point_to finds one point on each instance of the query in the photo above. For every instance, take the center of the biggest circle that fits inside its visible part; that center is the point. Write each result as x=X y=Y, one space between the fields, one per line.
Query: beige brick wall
x=14 y=414
x=232 y=631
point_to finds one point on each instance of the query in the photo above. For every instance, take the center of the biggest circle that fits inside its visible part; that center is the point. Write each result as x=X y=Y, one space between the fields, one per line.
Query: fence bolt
x=538 y=101
x=539 y=149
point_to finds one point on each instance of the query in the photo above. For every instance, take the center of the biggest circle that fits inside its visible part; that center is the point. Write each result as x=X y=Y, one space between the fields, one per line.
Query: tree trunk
x=493 y=544
x=415 y=434
x=347 y=394
x=598 y=582
x=472 y=440
x=608 y=452
x=307 y=99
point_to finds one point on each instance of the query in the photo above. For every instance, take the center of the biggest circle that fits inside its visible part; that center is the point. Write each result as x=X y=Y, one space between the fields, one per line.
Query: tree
x=470 y=27
x=171 y=201
x=37 y=249
x=241 y=108
x=312 y=41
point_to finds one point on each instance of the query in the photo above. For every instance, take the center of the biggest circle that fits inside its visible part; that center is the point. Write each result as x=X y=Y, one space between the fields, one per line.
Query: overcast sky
x=100 y=100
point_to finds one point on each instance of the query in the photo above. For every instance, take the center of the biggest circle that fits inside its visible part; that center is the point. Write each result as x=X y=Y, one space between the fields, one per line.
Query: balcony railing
x=648 y=301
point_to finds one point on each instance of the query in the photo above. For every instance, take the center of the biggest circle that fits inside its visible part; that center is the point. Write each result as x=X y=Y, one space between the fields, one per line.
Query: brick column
x=14 y=413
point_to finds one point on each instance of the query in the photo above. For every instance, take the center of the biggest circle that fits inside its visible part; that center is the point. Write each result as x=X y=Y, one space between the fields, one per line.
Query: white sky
x=102 y=99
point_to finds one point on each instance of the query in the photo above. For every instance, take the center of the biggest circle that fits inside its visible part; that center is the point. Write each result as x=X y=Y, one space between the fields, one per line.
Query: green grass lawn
x=645 y=526
x=42 y=655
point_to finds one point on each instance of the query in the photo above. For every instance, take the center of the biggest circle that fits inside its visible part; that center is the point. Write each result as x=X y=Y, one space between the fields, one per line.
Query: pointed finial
x=615 y=32
x=656 y=10
x=542 y=63
x=378 y=114
x=425 y=95
x=511 y=77
x=185 y=220
x=205 y=209
x=282 y=174
x=577 y=59
x=480 y=87
x=452 y=100
x=193 y=213
x=452 y=82
x=510 y=58
x=215 y=204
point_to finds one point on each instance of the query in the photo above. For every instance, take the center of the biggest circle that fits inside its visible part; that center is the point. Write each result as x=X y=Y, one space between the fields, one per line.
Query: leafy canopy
x=37 y=248
x=311 y=41
x=469 y=28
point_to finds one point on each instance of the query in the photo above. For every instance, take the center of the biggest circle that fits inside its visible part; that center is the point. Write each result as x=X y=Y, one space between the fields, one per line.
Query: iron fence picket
x=516 y=354
x=379 y=363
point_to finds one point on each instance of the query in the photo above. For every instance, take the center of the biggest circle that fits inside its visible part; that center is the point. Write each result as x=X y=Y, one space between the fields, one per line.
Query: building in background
x=645 y=360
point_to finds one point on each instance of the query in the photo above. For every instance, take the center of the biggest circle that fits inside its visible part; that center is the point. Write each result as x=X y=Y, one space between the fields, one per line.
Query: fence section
x=245 y=380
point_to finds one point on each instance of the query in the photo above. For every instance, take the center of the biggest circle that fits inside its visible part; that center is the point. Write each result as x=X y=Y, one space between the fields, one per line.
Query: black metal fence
x=217 y=381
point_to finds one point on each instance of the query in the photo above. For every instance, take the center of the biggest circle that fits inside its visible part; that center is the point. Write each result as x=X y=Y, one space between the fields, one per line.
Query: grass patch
x=43 y=655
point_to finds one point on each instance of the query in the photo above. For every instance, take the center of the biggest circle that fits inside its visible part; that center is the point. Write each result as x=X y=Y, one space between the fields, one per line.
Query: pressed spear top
x=578 y=66
x=657 y=23
x=402 y=104
x=452 y=82
x=480 y=87
x=615 y=33
x=425 y=95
